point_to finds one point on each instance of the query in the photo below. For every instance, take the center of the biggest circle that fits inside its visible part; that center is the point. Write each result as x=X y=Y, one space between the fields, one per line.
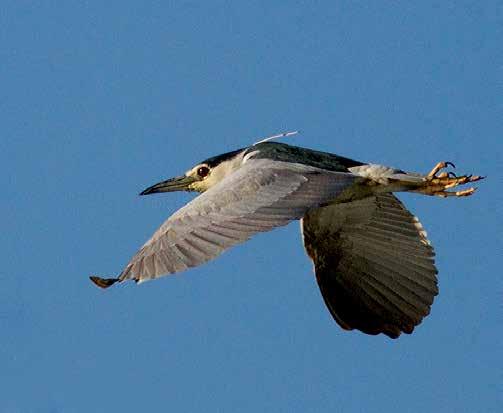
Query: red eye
x=203 y=171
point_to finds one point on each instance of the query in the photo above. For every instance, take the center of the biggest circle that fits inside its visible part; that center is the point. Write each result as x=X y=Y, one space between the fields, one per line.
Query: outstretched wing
x=260 y=196
x=373 y=264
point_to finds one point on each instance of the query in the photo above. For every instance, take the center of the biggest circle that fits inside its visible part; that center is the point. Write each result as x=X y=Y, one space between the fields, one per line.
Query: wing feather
x=258 y=197
x=373 y=263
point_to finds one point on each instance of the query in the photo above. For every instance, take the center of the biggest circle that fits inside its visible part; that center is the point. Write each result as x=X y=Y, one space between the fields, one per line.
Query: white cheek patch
x=210 y=180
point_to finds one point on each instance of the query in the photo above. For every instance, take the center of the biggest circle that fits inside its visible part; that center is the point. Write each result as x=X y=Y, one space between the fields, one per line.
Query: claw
x=436 y=183
x=439 y=166
x=446 y=175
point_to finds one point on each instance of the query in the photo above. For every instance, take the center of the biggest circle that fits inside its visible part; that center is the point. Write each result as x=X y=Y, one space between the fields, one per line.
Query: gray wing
x=260 y=196
x=373 y=264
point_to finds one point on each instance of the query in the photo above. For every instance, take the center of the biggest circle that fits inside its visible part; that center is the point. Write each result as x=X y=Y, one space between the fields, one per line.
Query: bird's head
x=202 y=176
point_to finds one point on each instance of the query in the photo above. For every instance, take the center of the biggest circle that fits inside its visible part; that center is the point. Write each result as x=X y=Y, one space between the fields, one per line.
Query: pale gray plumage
x=258 y=197
x=372 y=260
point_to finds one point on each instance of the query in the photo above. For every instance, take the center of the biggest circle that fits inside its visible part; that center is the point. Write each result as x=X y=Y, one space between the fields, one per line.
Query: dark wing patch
x=373 y=264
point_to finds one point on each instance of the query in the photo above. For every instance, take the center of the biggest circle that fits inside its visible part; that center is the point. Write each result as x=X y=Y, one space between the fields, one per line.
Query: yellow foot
x=436 y=183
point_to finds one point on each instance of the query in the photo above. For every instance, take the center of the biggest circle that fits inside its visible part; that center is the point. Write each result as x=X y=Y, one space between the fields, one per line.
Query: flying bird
x=372 y=260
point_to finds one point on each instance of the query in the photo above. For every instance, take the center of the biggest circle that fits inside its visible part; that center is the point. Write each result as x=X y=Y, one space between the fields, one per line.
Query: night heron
x=372 y=260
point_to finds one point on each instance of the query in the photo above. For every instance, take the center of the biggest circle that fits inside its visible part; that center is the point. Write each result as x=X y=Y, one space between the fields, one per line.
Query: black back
x=287 y=153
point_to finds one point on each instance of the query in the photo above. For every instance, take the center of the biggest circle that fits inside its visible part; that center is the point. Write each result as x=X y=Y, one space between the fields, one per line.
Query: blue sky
x=102 y=99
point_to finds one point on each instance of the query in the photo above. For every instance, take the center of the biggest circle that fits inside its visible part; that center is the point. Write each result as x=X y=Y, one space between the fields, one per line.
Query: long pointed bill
x=180 y=183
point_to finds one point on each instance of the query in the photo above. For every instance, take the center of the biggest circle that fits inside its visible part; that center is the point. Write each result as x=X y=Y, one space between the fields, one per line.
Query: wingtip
x=103 y=282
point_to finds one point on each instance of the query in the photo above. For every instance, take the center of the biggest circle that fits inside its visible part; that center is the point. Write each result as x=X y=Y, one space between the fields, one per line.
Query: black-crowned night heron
x=372 y=260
